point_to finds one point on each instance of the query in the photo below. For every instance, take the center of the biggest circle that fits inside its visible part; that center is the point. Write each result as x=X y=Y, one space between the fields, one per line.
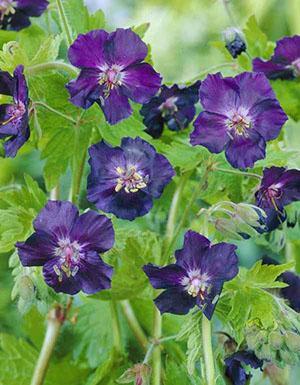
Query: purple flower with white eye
x=240 y=115
x=112 y=72
x=279 y=187
x=67 y=245
x=173 y=106
x=15 y=14
x=14 y=129
x=285 y=63
x=196 y=278
x=124 y=180
x=235 y=364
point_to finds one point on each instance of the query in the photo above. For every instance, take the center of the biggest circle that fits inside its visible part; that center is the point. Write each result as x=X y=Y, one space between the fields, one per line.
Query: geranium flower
x=235 y=364
x=241 y=115
x=173 y=106
x=112 y=72
x=197 y=276
x=67 y=245
x=279 y=187
x=124 y=180
x=14 y=117
x=15 y=14
x=285 y=63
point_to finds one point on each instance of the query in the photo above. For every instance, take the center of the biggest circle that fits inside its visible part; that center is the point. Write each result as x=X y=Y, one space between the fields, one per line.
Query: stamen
x=111 y=77
x=130 y=180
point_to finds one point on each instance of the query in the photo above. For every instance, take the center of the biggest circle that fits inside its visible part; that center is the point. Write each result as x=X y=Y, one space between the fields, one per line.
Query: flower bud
x=292 y=341
x=276 y=339
x=234 y=41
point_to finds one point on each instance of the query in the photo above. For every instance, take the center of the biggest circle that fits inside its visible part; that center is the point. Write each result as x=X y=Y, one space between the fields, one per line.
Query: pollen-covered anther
x=130 y=180
x=6 y=8
x=111 y=77
x=239 y=125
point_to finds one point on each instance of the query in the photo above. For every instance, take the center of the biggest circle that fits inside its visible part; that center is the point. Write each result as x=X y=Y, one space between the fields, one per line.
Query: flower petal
x=116 y=106
x=164 y=277
x=272 y=70
x=7 y=83
x=85 y=90
x=32 y=7
x=140 y=82
x=210 y=131
x=21 y=92
x=287 y=49
x=93 y=232
x=124 y=47
x=290 y=181
x=87 y=51
x=210 y=301
x=12 y=145
x=162 y=175
x=175 y=300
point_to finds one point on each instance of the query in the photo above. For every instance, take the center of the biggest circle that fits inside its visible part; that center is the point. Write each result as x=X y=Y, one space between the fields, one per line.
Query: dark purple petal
x=70 y=285
x=164 y=277
x=56 y=218
x=287 y=49
x=272 y=70
x=219 y=95
x=19 y=20
x=271 y=175
x=12 y=145
x=210 y=300
x=93 y=232
x=235 y=366
x=85 y=90
x=124 y=47
x=243 y=152
x=180 y=119
x=10 y=128
x=36 y=250
x=87 y=51
x=138 y=152
x=210 y=131
x=267 y=118
x=140 y=82
x=32 y=7
x=94 y=274
x=275 y=217
x=194 y=247
x=162 y=175
x=116 y=106
x=290 y=181
x=21 y=92
x=176 y=301
x=7 y=83
x=291 y=292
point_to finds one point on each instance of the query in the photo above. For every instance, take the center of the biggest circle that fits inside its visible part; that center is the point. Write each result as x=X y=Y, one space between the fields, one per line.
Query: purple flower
x=174 y=107
x=285 y=63
x=67 y=245
x=112 y=71
x=124 y=180
x=235 y=366
x=14 y=117
x=279 y=187
x=241 y=115
x=14 y=14
x=196 y=278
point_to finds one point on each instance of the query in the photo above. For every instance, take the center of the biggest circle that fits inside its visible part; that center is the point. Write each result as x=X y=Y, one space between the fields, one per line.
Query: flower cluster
x=196 y=278
x=67 y=245
x=15 y=14
x=285 y=63
x=241 y=114
x=112 y=72
x=173 y=106
x=124 y=180
x=14 y=129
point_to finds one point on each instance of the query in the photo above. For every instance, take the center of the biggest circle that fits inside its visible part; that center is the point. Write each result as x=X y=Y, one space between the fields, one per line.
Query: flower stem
x=156 y=365
x=134 y=324
x=210 y=69
x=237 y=172
x=116 y=327
x=207 y=351
x=55 y=65
x=64 y=22
x=42 y=104
x=229 y=13
x=55 y=321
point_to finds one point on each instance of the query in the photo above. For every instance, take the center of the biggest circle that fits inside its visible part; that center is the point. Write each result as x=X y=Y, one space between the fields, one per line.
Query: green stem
x=229 y=13
x=134 y=324
x=53 y=328
x=64 y=22
x=116 y=327
x=207 y=351
x=156 y=362
x=42 y=104
x=237 y=172
x=211 y=69
x=55 y=65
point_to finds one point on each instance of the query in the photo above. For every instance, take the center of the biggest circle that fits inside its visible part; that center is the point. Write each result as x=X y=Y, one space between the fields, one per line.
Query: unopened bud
x=292 y=341
x=234 y=41
x=276 y=340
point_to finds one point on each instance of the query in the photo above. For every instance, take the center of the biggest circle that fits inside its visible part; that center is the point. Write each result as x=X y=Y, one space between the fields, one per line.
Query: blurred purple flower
x=196 y=278
x=285 y=63
x=241 y=115
x=67 y=245
x=174 y=106
x=14 y=117
x=279 y=187
x=112 y=72
x=15 y=14
x=124 y=180
x=235 y=366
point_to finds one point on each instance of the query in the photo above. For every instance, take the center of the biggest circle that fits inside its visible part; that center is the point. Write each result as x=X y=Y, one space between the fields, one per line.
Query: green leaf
x=141 y=29
x=288 y=94
x=48 y=50
x=257 y=41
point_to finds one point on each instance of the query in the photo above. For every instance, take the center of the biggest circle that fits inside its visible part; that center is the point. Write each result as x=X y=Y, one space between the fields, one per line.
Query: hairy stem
x=55 y=65
x=61 y=114
x=54 y=323
x=207 y=351
x=156 y=363
x=134 y=324
x=64 y=22
x=237 y=172
x=116 y=327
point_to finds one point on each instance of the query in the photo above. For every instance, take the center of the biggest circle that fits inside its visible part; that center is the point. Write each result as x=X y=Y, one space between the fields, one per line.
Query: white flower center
x=111 y=77
x=131 y=180
x=238 y=125
x=169 y=106
x=69 y=254
x=196 y=283
x=15 y=112
x=7 y=7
